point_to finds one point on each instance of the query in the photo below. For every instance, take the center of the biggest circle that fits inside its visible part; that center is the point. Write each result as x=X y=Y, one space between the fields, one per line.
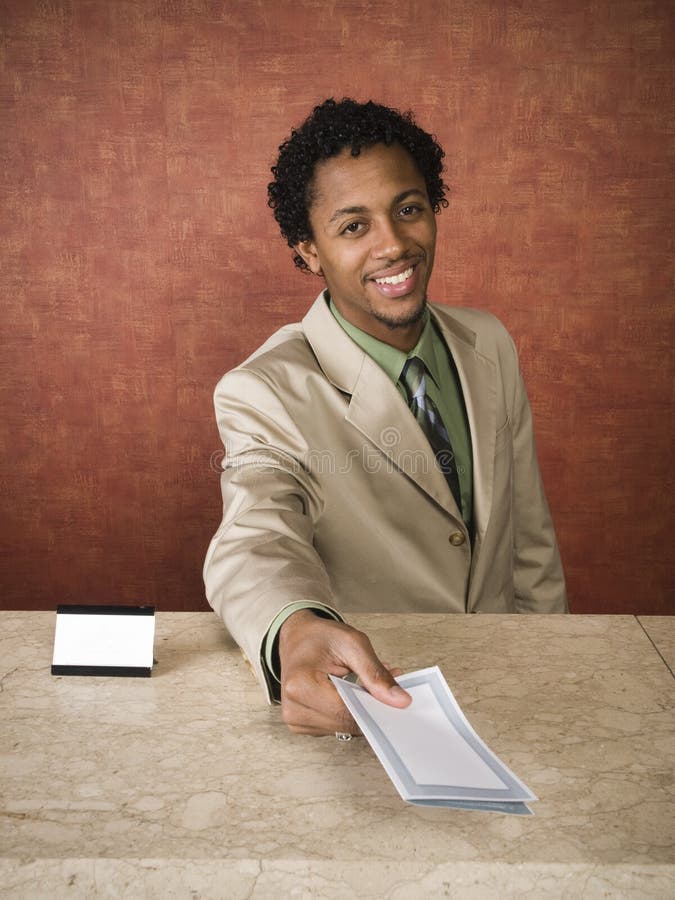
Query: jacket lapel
x=378 y=411
x=479 y=385
x=376 y=408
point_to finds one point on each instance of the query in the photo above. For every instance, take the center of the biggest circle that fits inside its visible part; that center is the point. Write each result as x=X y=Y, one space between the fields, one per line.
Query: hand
x=311 y=648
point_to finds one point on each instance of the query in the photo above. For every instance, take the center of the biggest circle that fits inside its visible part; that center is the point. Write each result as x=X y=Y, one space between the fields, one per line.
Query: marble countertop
x=187 y=784
x=661 y=632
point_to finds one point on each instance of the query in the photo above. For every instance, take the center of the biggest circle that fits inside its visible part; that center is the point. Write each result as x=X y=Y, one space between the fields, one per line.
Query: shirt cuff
x=270 y=658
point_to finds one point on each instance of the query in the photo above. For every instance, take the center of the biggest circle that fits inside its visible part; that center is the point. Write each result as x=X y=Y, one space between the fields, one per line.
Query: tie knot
x=412 y=377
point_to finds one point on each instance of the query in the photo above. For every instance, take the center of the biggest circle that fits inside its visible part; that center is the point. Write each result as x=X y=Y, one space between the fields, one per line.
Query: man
x=379 y=454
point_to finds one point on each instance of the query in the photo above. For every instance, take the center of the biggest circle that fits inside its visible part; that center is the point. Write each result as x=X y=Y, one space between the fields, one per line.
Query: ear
x=307 y=250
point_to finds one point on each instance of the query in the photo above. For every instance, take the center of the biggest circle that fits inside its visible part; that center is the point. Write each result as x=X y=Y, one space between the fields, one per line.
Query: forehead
x=377 y=173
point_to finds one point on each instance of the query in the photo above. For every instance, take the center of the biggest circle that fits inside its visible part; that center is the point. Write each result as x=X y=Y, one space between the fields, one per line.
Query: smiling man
x=379 y=454
x=373 y=240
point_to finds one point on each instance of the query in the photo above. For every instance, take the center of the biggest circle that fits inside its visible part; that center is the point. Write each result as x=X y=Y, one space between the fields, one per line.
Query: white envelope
x=430 y=751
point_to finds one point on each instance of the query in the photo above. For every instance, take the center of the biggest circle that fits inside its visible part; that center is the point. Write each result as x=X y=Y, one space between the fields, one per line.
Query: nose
x=389 y=242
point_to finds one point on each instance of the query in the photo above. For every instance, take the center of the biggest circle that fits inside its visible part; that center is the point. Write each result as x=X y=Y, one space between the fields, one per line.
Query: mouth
x=397 y=282
x=396 y=279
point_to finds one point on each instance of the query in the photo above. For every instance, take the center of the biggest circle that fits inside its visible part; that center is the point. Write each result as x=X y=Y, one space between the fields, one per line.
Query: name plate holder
x=104 y=640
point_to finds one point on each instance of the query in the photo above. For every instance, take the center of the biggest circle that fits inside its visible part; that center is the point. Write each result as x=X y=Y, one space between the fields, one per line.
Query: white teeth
x=396 y=279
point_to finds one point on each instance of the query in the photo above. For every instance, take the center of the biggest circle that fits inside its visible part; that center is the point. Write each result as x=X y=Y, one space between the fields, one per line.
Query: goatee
x=412 y=319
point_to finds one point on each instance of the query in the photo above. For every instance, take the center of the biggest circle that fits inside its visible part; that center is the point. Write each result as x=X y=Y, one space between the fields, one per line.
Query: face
x=373 y=240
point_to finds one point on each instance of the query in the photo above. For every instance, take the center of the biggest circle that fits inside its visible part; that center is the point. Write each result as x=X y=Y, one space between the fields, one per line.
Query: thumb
x=377 y=679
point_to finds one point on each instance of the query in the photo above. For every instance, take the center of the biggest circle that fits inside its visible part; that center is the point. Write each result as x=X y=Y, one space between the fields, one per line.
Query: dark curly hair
x=333 y=126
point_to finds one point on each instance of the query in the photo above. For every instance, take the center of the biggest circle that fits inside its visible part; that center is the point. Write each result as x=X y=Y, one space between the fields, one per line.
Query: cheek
x=430 y=232
x=346 y=264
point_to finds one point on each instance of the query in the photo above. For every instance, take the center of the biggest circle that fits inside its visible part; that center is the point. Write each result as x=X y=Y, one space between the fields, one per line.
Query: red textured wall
x=138 y=259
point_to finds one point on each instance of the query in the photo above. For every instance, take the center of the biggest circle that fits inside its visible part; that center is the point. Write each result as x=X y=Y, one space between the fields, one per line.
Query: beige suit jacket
x=331 y=492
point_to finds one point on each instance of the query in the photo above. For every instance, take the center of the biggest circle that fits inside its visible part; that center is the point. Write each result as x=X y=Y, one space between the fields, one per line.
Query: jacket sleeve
x=262 y=557
x=539 y=583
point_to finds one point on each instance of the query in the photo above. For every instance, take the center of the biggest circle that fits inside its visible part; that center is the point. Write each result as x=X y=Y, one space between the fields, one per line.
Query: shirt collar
x=426 y=349
x=389 y=358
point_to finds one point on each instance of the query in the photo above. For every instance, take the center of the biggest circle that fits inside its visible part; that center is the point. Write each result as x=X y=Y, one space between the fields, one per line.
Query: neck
x=403 y=338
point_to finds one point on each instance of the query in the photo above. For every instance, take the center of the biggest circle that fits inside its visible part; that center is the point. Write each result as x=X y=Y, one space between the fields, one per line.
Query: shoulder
x=483 y=330
x=281 y=362
x=478 y=321
x=287 y=343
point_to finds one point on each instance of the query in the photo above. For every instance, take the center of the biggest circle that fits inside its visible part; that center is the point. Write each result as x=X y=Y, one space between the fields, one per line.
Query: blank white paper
x=104 y=640
x=429 y=744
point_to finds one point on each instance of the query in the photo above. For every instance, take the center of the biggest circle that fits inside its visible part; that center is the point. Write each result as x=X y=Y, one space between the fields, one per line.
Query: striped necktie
x=426 y=412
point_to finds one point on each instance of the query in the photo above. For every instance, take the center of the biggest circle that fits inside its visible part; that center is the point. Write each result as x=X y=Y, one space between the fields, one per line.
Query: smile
x=396 y=279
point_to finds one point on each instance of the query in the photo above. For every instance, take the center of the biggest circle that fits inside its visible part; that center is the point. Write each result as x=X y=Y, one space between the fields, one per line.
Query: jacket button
x=456 y=538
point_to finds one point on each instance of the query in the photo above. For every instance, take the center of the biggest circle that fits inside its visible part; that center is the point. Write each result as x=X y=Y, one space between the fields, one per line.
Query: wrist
x=297 y=619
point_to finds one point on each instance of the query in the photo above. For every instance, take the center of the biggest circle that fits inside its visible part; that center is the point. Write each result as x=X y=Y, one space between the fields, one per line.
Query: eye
x=353 y=228
x=411 y=209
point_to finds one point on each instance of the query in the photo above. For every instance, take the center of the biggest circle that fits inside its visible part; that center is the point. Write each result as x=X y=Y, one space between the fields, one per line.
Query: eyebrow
x=358 y=210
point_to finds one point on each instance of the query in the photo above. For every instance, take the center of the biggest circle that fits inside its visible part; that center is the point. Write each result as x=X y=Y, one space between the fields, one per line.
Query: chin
x=403 y=319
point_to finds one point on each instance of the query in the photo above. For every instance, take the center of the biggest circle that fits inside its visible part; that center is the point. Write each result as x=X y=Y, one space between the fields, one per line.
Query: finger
x=374 y=675
x=381 y=685
x=322 y=732
x=302 y=720
x=319 y=733
x=312 y=702
x=394 y=671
